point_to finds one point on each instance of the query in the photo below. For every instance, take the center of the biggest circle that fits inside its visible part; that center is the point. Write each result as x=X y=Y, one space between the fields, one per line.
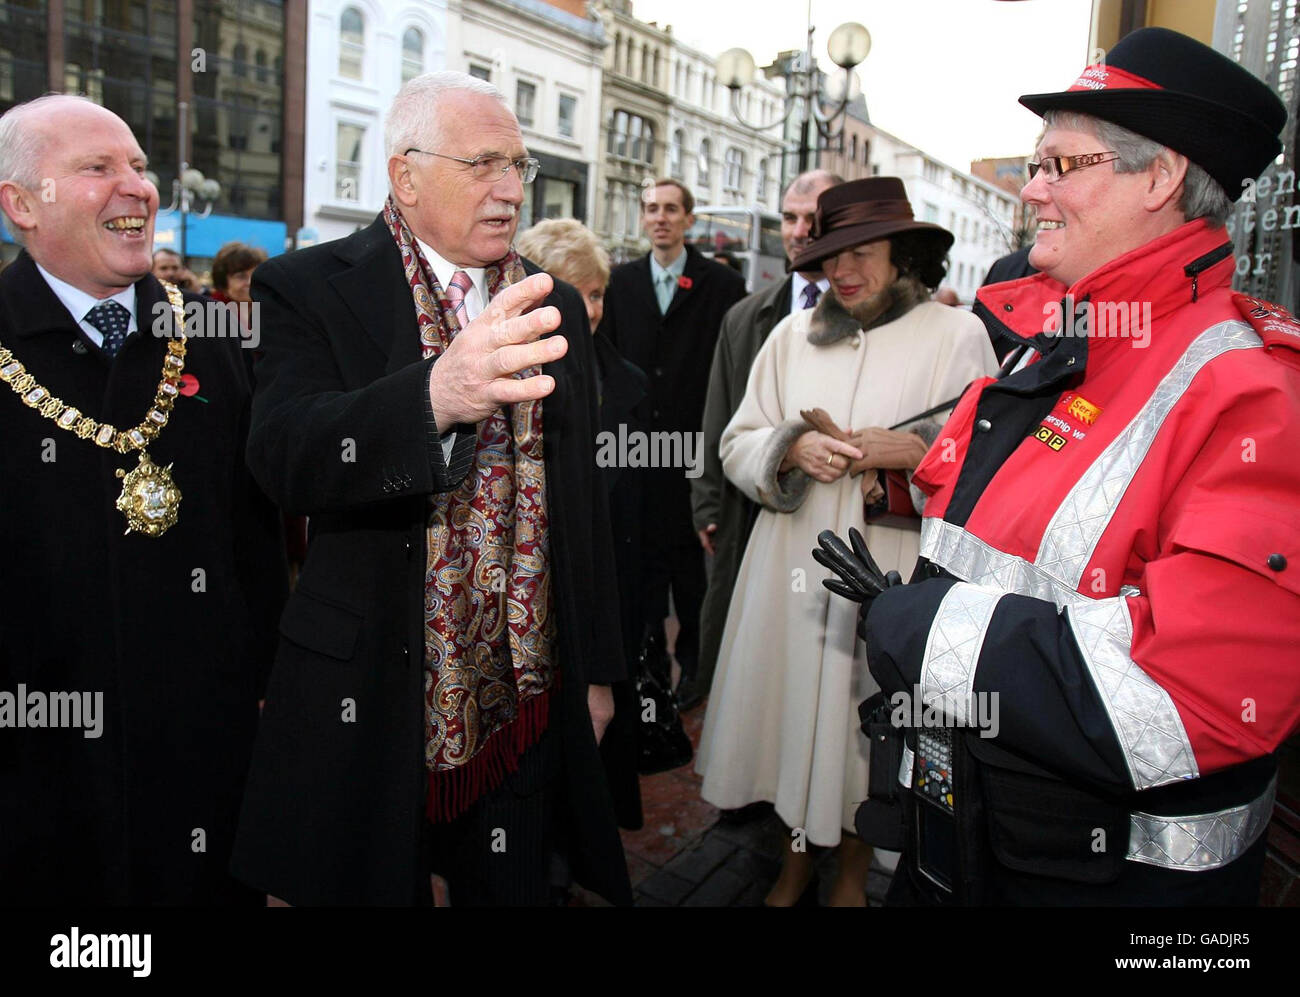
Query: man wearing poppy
x=663 y=312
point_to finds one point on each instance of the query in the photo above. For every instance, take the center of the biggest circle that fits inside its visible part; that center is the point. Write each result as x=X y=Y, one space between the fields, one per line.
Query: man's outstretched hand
x=860 y=578
x=475 y=377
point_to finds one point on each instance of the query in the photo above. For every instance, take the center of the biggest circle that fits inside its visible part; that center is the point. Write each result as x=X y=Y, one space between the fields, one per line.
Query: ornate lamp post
x=847 y=46
x=190 y=186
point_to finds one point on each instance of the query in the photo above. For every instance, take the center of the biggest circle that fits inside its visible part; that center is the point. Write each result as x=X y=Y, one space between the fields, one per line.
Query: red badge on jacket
x=684 y=283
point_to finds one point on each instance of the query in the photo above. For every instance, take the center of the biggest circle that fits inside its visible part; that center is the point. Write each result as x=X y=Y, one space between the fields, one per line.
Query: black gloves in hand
x=860 y=578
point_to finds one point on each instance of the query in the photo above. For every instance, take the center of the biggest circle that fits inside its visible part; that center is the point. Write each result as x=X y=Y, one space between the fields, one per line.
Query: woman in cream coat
x=782 y=723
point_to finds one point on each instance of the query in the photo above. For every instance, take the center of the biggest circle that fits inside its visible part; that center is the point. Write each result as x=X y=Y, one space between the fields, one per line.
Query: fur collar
x=830 y=322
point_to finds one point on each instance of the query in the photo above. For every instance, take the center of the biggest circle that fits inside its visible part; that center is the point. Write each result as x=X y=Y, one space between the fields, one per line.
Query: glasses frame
x=1069 y=164
x=526 y=166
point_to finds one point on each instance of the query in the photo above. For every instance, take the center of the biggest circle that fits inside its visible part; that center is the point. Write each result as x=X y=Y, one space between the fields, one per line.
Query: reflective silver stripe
x=1200 y=842
x=952 y=650
x=1147 y=725
x=971 y=559
x=1146 y=722
x=1077 y=525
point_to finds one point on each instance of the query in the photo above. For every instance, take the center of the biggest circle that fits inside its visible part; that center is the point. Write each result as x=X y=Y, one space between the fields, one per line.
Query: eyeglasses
x=492 y=168
x=1054 y=166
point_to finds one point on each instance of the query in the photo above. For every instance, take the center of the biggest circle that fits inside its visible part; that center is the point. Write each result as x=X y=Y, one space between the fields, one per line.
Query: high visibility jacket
x=1111 y=544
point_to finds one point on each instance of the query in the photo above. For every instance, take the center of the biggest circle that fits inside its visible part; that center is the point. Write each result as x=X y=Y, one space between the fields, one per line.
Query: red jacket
x=1120 y=518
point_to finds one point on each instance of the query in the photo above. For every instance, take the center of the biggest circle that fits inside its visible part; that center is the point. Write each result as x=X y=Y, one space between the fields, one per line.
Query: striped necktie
x=460 y=283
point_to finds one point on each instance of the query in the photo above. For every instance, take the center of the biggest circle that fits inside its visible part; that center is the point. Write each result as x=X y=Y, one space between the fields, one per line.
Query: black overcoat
x=177 y=632
x=714 y=499
x=334 y=808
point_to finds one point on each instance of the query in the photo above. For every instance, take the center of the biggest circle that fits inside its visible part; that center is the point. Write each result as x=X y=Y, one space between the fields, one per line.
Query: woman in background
x=782 y=723
x=569 y=251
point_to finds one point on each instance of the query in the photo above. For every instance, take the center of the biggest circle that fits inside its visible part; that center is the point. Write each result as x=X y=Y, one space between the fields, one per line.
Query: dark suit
x=176 y=632
x=334 y=810
x=714 y=499
x=676 y=350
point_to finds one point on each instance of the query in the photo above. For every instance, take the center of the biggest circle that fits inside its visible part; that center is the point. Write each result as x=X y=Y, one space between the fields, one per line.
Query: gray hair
x=412 y=119
x=21 y=146
x=1203 y=196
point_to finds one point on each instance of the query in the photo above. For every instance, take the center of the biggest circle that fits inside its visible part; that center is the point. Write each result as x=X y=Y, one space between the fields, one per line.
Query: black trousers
x=498 y=853
x=672 y=560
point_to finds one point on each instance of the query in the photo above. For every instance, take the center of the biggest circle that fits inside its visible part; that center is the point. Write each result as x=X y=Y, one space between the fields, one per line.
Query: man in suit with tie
x=143 y=571
x=663 y=312
x=723 y=515
x=443 y=677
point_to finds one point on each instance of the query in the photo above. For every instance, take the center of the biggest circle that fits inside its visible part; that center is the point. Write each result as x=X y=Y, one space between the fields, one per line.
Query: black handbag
x=662 y=743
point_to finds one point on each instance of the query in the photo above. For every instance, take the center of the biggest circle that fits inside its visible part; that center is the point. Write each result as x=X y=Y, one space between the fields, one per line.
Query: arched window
x=735 y=168
x=260 y=60
x=412 y=53
x=240 y=58
x=853 y=149
x=676 y=152
x=616 y=144
x=352 y=43
x=760 y=191
x=702 y=165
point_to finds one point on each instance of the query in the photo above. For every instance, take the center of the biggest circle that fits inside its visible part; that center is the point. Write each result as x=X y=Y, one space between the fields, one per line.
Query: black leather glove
x=860 y=578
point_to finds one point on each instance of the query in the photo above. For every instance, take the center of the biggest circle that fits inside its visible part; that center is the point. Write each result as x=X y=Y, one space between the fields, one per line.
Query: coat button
x=659 y=372
x=388 y=486
x=983 y=425
x=1277 y=562
x=933 y=570
x=1007 y=308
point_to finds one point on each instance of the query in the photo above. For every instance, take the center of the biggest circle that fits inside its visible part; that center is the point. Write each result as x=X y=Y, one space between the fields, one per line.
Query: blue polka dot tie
x=112 y=321
x=811 y=292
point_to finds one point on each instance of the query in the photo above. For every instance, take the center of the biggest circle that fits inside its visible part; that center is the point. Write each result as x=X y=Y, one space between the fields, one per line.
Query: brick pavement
x=683 y=857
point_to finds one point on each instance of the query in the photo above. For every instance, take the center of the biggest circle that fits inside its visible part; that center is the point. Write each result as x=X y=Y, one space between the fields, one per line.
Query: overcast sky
x=943 y=75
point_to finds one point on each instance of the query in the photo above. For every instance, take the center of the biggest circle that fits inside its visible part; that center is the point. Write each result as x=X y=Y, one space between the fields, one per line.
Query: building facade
x=238 y=71
x=980 y=215
x=710 y=149
x=546 y=57
x=633 y=125
x=360 y=54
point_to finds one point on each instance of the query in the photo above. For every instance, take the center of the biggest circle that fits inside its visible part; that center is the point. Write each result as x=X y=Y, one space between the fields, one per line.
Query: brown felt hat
x=861 y=211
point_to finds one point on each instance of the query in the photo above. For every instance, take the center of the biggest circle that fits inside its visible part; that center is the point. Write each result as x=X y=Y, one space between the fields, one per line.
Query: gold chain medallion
x=150 y=499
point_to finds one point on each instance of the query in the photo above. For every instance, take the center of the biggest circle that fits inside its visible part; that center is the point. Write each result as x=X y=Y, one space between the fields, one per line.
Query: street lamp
x=190 y=186
x=847 y=46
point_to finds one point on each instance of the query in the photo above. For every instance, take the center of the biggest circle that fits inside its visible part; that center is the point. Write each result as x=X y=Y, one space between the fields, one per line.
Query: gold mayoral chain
x=150 y=498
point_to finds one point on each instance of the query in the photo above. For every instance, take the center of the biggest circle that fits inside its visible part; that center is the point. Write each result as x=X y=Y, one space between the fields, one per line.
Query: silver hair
x=1203 y=196
x=412 y=121
x=21 y=146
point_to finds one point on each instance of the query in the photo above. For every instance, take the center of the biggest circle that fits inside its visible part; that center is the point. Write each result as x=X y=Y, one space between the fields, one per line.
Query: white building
x=547 y=60
x=980 y=215
x=359 y=53
x=720 y=159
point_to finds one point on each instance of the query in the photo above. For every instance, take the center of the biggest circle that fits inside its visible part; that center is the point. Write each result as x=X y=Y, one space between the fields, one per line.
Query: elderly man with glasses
x=443 y=673
x=1108 y=595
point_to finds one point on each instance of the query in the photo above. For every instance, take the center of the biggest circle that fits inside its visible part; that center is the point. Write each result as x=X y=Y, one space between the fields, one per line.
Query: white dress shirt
x=78 y=303
x=796 y=289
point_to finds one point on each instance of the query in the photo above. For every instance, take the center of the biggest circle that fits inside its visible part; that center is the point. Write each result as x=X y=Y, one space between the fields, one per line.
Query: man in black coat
x=723 y=515
x=663 y=312
x=354 y=428
x=145 y=654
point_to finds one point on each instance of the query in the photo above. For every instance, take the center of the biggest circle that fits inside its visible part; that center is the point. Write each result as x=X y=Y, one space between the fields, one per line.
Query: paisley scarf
x=489 y=626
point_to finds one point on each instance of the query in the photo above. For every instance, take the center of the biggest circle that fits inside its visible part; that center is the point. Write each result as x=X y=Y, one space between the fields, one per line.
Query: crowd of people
x=447 y=706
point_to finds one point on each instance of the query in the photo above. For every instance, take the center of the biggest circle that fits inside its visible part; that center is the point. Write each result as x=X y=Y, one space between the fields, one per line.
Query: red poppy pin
x=684 y=283
x=189 y=387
